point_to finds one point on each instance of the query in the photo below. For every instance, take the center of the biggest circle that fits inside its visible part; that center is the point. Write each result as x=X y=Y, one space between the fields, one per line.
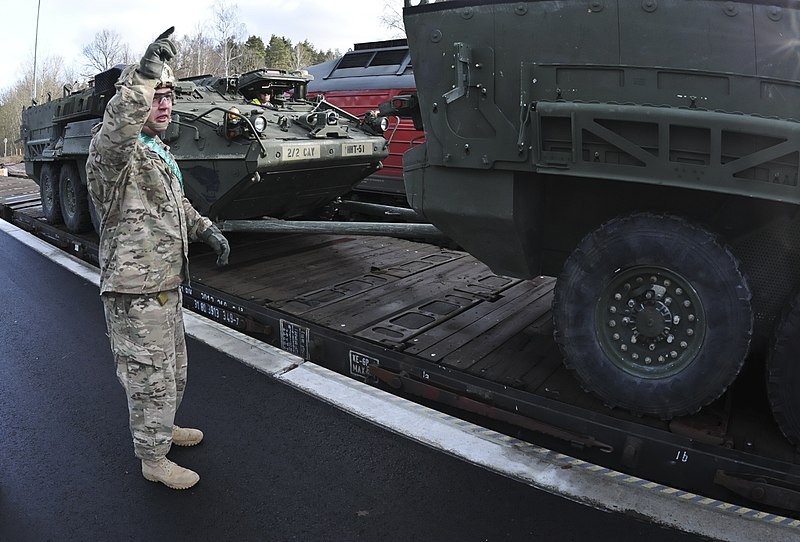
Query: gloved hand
x=158 y=52
x=214 y=238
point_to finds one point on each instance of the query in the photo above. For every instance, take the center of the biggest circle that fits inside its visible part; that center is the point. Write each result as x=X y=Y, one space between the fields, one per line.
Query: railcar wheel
x=783 y=372
x=48 y=190
x=653 y=315
x=74 y=199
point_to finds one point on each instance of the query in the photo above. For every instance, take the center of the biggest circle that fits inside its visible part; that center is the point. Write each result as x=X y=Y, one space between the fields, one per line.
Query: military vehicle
x=645 y=153
x=239 y=160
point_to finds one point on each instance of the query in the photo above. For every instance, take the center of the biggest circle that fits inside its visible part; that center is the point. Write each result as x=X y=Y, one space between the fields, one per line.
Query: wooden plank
x=483 y=336
x=454 y=329
x=273 y=268
x=356 y=312
x=329 y=266
x=525 y=360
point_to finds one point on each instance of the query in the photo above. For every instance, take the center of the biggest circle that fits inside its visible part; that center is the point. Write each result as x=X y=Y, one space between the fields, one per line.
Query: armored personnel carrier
x=239 y=159
x=645 y=153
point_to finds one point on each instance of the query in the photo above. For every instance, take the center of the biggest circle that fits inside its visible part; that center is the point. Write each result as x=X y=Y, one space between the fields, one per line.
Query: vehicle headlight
x=384 y=124
x=259 y=123
x=233 y=115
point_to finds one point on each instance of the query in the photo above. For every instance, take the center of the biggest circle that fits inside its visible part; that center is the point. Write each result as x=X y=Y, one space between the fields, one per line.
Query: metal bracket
x=441 y=395
x=760 y=489
x=463 y=60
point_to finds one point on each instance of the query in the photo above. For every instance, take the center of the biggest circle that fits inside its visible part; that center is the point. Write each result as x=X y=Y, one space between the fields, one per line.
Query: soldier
x=146 y=225
x=259 y=95
x=263 y=96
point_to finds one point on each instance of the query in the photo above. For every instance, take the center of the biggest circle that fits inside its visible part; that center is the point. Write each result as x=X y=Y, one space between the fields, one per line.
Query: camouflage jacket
x=146 y=222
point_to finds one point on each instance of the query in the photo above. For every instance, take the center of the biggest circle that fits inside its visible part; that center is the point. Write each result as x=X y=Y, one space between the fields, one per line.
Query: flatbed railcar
x=438 y=325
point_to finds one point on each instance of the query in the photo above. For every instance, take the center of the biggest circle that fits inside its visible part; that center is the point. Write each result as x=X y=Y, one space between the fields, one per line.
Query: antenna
x=35 y=47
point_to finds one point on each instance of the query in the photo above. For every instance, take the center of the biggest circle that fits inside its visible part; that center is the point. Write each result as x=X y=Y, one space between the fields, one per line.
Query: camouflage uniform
x=146 y=226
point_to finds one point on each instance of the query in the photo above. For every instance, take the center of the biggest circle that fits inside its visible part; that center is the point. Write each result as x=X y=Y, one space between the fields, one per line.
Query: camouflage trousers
x=147 y=339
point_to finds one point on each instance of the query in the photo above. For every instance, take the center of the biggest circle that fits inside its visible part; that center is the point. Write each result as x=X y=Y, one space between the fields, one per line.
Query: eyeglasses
x=158 y=99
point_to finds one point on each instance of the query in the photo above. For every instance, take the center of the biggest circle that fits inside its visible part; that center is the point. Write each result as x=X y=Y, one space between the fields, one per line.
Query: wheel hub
x=650 y=321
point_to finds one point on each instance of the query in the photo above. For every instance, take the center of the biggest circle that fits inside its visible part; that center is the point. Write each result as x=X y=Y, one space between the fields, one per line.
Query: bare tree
x=106 y=50
x=196 y=55
x=392 y=17
x=51 y=75
x=228 y=33
x=302 y=56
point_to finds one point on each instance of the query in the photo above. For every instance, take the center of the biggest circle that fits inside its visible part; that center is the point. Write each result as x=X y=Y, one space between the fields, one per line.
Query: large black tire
x=74 y=199
x=653 y=315
x=783 y=372
x=48 y=191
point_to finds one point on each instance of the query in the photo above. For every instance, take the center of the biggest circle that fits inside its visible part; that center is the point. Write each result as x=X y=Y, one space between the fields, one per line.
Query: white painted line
x=253 y=353
x=555 y=473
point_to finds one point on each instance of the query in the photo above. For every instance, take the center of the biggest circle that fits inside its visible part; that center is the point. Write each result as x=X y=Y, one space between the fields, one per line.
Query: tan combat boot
x=168 y=473
x=184 y=436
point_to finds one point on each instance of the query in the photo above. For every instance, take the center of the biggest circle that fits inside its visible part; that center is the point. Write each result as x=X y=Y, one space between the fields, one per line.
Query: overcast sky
x=65 y=26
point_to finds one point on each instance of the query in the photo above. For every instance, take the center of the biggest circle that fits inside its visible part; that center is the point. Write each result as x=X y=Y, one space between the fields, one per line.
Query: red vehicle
x=371 y=74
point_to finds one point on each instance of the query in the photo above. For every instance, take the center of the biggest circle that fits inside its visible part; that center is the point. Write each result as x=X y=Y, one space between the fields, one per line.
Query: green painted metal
x=645 y=105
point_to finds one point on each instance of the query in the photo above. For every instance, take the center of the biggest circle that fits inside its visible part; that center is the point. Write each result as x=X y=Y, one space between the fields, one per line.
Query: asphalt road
x=275 y=465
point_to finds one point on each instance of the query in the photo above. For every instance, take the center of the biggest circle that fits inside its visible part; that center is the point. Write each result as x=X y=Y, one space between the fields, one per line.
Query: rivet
x=730 y=9
x=649 y=5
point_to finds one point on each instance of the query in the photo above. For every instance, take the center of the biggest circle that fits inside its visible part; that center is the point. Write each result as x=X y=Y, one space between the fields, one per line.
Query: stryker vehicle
x=239 y=160
x=645 y=153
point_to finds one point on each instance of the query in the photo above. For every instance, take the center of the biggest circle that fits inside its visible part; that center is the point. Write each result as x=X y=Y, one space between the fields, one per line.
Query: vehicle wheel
x=74 y=202
x=48 y=190
x=783 y=372
x=653 y=315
